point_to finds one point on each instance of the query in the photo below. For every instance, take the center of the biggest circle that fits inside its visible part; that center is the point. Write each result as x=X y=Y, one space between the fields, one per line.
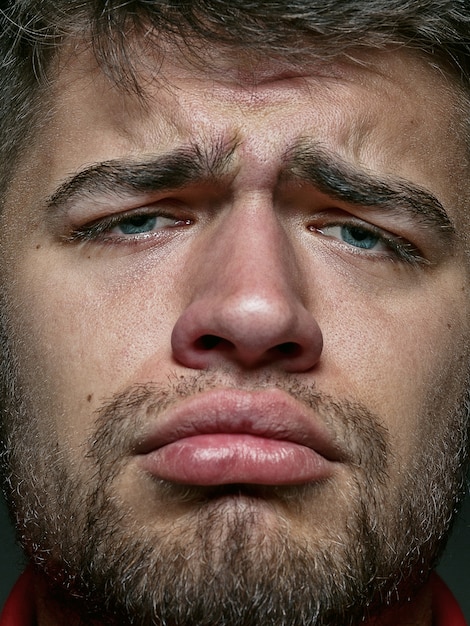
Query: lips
x=231 y=436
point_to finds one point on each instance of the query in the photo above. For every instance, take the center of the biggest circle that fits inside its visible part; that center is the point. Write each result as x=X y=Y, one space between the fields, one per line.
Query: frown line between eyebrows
x=326 y=171
x=120 y=177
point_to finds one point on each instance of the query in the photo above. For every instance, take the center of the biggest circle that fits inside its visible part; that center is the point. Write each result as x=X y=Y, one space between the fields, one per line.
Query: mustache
x=121 y=421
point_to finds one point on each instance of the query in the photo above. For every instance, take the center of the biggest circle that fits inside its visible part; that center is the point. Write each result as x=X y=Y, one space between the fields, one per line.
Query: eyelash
x=400 y=248
x=97 y=230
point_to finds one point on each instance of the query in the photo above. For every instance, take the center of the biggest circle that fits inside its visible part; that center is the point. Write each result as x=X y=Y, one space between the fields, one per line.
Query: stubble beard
x=231 y=558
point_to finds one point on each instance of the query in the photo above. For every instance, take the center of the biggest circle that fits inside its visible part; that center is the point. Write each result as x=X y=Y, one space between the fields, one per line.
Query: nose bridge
x=251 y=256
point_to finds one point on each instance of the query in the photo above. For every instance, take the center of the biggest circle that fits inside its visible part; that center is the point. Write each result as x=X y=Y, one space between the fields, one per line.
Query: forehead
x=387 y=110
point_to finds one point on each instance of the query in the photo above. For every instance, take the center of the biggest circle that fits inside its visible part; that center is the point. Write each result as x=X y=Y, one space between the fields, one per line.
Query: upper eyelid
x=121 y=207
x=395 y=226
x=383 y=234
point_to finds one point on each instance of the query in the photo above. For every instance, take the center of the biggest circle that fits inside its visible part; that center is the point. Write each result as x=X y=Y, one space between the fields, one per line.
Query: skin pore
x=272 y=245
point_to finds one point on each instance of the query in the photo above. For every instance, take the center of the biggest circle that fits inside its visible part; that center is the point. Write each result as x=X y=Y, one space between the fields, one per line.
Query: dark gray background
x=454 y=568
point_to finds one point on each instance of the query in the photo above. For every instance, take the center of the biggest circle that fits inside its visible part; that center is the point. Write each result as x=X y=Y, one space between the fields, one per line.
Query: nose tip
x=251 y=335
x=246 y=302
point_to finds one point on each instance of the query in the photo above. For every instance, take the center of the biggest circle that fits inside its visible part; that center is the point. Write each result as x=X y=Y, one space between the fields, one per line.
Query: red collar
x=445 y=610
x=19 y=608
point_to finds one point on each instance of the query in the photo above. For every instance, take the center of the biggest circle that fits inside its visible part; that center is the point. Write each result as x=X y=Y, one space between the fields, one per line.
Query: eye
x=357 y=236
x=141 y=224
x=128 y=227
x=370 y=240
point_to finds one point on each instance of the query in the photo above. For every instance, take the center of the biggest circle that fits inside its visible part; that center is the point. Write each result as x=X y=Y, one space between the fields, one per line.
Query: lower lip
x=220 y=459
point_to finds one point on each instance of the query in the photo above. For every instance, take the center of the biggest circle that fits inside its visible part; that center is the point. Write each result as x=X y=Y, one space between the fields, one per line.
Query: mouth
x=228 y=436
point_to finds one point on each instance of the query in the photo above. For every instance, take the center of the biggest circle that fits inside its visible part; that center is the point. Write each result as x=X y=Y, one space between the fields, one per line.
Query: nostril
x=208 y=342
x=211 y=342
x=289 y=348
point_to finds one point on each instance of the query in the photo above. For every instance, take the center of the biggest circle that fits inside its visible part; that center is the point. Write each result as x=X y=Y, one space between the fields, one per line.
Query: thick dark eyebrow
x=120 y=177
x=326 y=171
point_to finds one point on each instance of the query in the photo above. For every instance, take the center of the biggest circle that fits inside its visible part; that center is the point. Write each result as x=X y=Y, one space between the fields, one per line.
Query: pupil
x=138 y=220
x=359 y=234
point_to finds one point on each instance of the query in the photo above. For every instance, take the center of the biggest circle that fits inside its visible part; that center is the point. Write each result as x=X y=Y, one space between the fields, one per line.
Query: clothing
x=445 y=610
x=19 y=609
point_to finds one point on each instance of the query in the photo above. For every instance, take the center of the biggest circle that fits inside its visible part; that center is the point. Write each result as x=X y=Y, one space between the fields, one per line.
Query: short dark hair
x=31 y=33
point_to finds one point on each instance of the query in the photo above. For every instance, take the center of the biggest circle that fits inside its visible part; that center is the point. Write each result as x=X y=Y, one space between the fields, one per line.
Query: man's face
x=237 y=314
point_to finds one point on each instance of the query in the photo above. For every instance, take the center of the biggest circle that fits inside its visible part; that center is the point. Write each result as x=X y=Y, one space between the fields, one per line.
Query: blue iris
x=359 y=237
x=137 y=224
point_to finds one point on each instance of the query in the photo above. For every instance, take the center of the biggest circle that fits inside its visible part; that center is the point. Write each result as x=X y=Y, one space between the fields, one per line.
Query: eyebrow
x=171 y=170
x=307 y=161
x=312 y=163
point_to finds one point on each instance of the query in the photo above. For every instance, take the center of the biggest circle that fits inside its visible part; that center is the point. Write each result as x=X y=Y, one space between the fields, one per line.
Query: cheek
x=92 y=327
x=404 y=355
x=89 y=334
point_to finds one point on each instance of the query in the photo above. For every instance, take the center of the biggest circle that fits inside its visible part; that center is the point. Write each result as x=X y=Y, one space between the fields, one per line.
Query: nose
x=246 y=306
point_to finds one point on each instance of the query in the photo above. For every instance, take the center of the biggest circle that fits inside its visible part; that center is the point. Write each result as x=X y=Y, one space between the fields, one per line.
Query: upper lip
x=269 y=413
